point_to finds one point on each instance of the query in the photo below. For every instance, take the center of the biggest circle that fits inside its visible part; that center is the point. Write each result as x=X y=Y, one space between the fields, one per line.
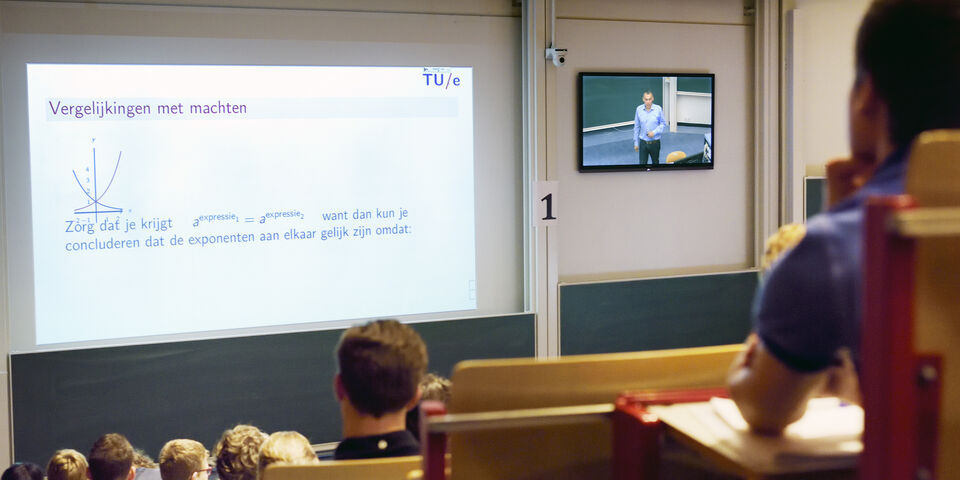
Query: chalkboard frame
x=656 y=313
x=691 y=162
x=198 y=388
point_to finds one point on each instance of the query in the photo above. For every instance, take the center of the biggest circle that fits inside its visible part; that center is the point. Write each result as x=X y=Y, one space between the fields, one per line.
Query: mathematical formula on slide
x=123 y=229
x=126 y=227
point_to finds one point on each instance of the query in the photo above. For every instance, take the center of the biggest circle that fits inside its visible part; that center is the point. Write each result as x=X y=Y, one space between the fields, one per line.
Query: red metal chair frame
x=901 y=388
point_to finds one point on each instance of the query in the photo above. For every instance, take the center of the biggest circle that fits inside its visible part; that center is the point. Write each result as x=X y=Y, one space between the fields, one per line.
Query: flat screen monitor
x=646 y=121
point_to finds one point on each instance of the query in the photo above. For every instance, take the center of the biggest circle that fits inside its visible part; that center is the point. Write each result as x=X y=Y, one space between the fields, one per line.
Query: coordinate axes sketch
x=96 y=207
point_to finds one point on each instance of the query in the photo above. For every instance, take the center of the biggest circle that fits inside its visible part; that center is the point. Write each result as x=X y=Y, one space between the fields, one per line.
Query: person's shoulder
x=831 y=242
x=840 y=224
x=393 y=444
x=806 y=308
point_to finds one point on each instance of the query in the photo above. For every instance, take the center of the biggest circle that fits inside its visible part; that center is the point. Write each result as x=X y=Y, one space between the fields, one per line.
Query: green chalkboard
x=608 y=99
x=155 y=393
x=657 y=313
x=695 y=84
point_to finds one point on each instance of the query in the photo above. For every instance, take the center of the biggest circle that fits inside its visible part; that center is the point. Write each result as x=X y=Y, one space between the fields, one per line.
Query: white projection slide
x=181 y=198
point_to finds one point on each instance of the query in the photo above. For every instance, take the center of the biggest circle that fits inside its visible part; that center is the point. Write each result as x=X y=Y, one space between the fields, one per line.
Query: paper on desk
x=826 y=438
x=829 y=428
x=825 y=418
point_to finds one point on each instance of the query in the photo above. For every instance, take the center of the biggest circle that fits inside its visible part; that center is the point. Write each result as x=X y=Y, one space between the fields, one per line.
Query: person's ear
x=133 y=473
x=415 y=400
x=868 y=123
x=338 y=390
x=863 y=98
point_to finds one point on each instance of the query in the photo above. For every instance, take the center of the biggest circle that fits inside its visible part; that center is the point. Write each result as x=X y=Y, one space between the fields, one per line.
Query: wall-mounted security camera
x=558 y=55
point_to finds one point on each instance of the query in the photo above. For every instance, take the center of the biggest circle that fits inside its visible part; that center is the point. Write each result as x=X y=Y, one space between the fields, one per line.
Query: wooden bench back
x=567 y=451
x=397 y=468
x=933 y=180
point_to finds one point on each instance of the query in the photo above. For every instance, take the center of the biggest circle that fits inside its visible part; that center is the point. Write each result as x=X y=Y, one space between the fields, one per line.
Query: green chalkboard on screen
x=695 y=84
x=614 y=99
x=609 y=102
x=656 y=313
x=197 y=389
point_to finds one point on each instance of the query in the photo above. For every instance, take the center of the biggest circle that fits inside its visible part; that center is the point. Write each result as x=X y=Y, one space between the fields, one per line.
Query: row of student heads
x=242 y=453
x=381 y=370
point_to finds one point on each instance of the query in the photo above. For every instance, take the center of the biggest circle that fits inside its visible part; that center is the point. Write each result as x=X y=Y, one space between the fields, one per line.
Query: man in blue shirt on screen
x=806 y=318
x=648 y=125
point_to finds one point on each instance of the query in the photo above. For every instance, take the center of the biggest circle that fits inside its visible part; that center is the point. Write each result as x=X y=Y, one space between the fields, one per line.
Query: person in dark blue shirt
x=648 y=126
x=380 y=366
x=806 y=334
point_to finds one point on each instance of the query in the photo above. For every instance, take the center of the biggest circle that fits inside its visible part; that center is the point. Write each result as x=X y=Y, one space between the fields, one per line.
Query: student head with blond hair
x=289 y=448
x=67 y=464
x=142 y=460
x=238 y=452
x=778 y=244
x=435 y=387
x=183 y=459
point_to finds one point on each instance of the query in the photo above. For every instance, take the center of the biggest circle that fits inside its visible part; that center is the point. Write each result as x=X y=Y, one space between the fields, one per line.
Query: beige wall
x=819 y=70
x=635 y=224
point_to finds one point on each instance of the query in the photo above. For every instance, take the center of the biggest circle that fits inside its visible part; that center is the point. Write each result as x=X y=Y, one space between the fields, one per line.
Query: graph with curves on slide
x=90 y=186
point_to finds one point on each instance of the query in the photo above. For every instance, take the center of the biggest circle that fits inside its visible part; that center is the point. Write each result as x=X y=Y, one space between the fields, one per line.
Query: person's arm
x=771 y=395
x=661 y=123
x=636 y=129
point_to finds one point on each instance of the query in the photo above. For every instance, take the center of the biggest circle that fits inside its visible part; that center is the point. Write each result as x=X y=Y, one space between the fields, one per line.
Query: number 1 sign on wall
x=547 y=205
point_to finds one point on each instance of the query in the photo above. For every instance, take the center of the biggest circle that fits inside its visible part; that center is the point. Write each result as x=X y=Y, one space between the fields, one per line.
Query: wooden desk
x=738 y=451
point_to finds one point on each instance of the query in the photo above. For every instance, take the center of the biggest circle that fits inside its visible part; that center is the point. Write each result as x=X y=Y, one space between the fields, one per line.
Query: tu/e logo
x=442 y=79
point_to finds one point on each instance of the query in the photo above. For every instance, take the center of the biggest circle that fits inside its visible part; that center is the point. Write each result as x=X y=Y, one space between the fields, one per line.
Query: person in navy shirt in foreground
x=806 y=316
x=380 y=366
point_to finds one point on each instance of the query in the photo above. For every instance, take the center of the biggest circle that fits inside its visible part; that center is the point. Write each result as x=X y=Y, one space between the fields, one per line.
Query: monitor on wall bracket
x=646 y=121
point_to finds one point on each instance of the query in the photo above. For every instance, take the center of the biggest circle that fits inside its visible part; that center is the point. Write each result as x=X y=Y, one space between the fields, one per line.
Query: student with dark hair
x=379 y=369
x=111 y=458
x=23 y=471
x=806 y=334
